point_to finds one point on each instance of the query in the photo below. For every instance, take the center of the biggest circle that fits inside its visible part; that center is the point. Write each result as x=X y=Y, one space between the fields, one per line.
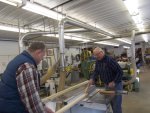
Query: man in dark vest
x=20 y=83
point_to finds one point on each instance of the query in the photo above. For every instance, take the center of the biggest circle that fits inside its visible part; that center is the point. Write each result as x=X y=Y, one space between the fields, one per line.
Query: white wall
x=68 y=52
x=8 y=50
x=71 y=51
x=116 y=51
x=119 y=51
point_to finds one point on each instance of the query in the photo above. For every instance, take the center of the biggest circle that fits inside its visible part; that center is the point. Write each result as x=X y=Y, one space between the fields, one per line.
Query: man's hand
x=48 y=110
x=111 y=84
x=89 y=84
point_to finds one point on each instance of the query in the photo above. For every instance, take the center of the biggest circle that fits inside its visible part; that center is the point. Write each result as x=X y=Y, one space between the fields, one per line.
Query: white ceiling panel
x=109 y=15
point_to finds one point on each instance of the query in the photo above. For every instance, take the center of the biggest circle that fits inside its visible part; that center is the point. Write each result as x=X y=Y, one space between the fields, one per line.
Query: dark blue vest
x=10 y=101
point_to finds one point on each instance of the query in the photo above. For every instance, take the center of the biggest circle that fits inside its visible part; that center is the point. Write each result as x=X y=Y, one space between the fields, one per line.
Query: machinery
x=91 y=100
x=97 y=104
x=87 y=63
x=127 y=76
x=147 y=56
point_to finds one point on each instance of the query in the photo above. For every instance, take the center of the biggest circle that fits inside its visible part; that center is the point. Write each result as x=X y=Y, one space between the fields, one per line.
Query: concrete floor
x=139 y=102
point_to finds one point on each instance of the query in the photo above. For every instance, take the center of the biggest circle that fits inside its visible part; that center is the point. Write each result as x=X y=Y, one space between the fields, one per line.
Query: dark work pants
x=116 y=101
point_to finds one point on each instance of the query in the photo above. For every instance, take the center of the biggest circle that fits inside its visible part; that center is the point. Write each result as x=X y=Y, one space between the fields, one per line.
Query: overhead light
x=76 y=38
x=145 y=37
x=126 y=47
x=107 y=43
x=12 y=2
x=42 y=11
x=68 y=37
x=140 y=27
x=101 y=34
x=132 y=7
x=13 y=29
x=51 y=35
x=75 y=30
x=108 y=37
x=137 y=19
x=124 y=40
x=17 y=1
x=8 y=2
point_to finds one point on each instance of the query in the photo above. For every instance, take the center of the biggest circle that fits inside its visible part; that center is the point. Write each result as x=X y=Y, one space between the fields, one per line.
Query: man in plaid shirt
x=20 y=83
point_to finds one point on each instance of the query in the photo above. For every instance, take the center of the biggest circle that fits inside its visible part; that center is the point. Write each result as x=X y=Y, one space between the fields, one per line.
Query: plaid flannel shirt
x=28 y=86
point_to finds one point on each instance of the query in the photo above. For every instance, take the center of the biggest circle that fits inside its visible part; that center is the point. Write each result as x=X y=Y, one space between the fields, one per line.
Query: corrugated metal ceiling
x=110 y=15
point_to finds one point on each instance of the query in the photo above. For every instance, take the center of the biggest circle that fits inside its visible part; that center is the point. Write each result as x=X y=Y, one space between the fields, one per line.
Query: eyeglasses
x=97 y=54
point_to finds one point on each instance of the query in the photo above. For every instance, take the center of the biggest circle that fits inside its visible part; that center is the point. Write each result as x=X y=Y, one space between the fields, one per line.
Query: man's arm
x=28 y=90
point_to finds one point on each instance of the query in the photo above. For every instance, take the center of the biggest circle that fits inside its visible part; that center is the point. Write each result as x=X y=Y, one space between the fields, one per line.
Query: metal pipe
x=21 y=38
x=116 y=37
x=64 y=91
x=61 y=35
x=62 y=44
x=86 y=26
x=143 y=32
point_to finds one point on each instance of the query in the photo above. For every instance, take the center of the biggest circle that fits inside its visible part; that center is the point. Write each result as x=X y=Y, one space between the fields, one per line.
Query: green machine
x=87 y=63
x=127 y=76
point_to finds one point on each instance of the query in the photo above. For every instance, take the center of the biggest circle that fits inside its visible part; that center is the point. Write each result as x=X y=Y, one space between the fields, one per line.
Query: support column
x=143 y=51
x=62 y=56
x=62 y=61
x=133 y=54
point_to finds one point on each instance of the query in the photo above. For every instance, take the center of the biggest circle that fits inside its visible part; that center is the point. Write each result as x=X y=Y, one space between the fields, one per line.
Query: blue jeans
x=116 y=101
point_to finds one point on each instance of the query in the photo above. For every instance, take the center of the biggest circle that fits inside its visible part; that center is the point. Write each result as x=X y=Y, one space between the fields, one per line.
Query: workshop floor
x=139 y=102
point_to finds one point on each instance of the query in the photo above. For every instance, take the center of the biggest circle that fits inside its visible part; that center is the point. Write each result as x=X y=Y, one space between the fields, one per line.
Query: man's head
x=98 y=53
x=37 y=51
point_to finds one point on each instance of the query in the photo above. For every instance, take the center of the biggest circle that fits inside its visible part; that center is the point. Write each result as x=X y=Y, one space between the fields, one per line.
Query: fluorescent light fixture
x=16 y=1
x=132 y=7
x=42 y=11
x=51 y=35
x=101 y=34
x=126 y=47
x=68 y=37
x=140 y=27
x=75 y=30
x=145 y=37
x=137 y=19
x=108 y=37
x=124 y=40
x=107 y=43
x=8 y=2
x=12 y=2
x=13 y=29
x=75 y=38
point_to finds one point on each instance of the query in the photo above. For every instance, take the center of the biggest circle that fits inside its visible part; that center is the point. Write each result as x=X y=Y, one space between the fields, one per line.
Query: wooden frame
x=50 y=52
